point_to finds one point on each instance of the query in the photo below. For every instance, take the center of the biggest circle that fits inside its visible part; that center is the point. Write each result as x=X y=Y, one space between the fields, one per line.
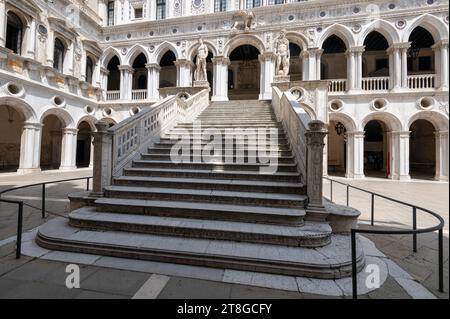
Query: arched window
x=160 y=9
x=14 y=33
x=89 y=70
x=58 y=55
x=252 y=3
x=220 y=5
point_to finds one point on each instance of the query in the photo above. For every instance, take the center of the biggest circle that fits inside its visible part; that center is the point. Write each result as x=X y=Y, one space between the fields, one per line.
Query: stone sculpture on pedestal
x=200 y=75
x=283 y=58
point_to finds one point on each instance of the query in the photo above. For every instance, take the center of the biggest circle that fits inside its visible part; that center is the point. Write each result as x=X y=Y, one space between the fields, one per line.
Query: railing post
x=354 y=278
x=87 y=184
x=314 y=170
x=331 y=190
x=372 y=209
x=414 y=222
x=102 y=158
x=19 y=231
x=441 y=260
x=348 y=188
x=43 y=201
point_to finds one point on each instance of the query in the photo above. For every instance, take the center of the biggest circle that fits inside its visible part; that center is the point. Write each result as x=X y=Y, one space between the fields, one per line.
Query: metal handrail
x=439 y=227
x=43 y=210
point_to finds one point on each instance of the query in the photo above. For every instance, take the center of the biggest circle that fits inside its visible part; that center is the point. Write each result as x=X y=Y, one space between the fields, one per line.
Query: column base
x=218 y=98
x=67 y=168
x=441 y=178
x=265 y=96
x=355 y=176
x=23 y=171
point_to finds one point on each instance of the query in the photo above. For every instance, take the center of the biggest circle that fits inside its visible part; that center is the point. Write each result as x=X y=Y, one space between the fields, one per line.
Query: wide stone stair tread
x=212 y=174
x=330 y=261
x=311 y=234
x=205 y=192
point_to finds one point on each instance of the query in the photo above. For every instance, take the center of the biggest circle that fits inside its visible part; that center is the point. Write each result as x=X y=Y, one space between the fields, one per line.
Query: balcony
x=422 y=81
x=112 y=95
x=375 y=83
x=138 y=95
x=338 y=85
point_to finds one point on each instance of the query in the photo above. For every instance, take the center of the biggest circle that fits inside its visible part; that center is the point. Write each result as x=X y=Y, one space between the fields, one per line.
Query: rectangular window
x=253 y=3
x=138 y=13
x=160 y=9
x=220 y=5
x=110 y=13
x=272 y=2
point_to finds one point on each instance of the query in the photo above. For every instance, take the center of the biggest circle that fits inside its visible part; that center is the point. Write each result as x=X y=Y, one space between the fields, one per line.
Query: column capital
x=401 y=133
x=441 y=44
x=126 y=68
x=69 y=130
x=441 y=133
x=221 y=60
x=153 y=66
x=267 y=56
x=400 y=45
x=356 y=134
x=356 y=49
x=312 y=52
x=104 y=70
x=31 y=125
x=183 y=62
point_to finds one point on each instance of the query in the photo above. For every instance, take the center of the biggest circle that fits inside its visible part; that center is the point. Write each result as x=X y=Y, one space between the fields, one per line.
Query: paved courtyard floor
x=43 y=274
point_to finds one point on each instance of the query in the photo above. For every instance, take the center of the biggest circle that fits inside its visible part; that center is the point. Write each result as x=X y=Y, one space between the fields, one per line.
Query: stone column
x=3 y=21
x=267 y=62
x=126 y=78
x=153 y=81
x=31 y=40
x=358 y=67
x=404 y=63
x=395 y=67
x=68 y=60
x=314 y=170
x=318 y=64
x=351 y=69
x=50 y=43
x=311 y=64
x=103 y=11
x=441 y=64
x=304 y=59
x=441 y=155
x=69 y=149
x=355 y=155
x=184 y=72
x=399 y=151
x=102 y=158
x=91 y=154
x=30 y=148
x=220 y=83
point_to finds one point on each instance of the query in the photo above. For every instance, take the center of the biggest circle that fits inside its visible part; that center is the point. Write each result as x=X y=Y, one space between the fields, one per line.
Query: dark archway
x=295 y=66
x=375 y=149
x=337 y=148
x=11 y=126
x=168 y=72
x=334 y=54
x=420 y=53
x=422 y=149
x=84 y=145
x=114 y=74
x=376 y=59
x=139 y=78
x=51 y=142
x=246 y=71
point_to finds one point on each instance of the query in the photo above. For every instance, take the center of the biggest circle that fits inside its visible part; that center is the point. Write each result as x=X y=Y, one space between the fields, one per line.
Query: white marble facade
x=115 y=58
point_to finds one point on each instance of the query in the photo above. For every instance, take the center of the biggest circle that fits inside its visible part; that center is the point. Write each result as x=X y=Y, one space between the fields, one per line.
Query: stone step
x=211 y=184
x=223 y=126
x=245 y=158
x=281 y=167
x=206 y=195
x=225 y=150
x=241 y=137
x=212 y=211
x=213 y=174
x=246 y=145
x=311 y=234
x=319 y=262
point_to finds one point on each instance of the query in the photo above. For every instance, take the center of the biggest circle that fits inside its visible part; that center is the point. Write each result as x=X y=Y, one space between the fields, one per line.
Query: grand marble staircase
x=220 y=213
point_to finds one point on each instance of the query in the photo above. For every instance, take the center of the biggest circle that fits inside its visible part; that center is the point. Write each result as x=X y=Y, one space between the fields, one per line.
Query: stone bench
x=341 y=218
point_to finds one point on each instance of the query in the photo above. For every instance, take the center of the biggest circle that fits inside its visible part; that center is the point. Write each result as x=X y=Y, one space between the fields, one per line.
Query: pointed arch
x=134 y=52
x=162 y=49
x=90 y=119
x=340 y=31
x=298 y=39
x=434 y=25
x=384 y=28
x=108 y=54
x=243 y=39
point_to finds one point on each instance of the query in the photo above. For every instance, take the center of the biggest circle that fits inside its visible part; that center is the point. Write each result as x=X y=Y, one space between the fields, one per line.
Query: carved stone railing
x=422 y=81
x=116 y=147
x=337 y=85
x=376 y=83
x=306 y=137
x=138 y=95
x=112 y=95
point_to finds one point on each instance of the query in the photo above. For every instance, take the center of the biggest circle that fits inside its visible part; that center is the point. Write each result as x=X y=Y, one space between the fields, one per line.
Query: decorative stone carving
x=283 y=56
x=248 y=22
